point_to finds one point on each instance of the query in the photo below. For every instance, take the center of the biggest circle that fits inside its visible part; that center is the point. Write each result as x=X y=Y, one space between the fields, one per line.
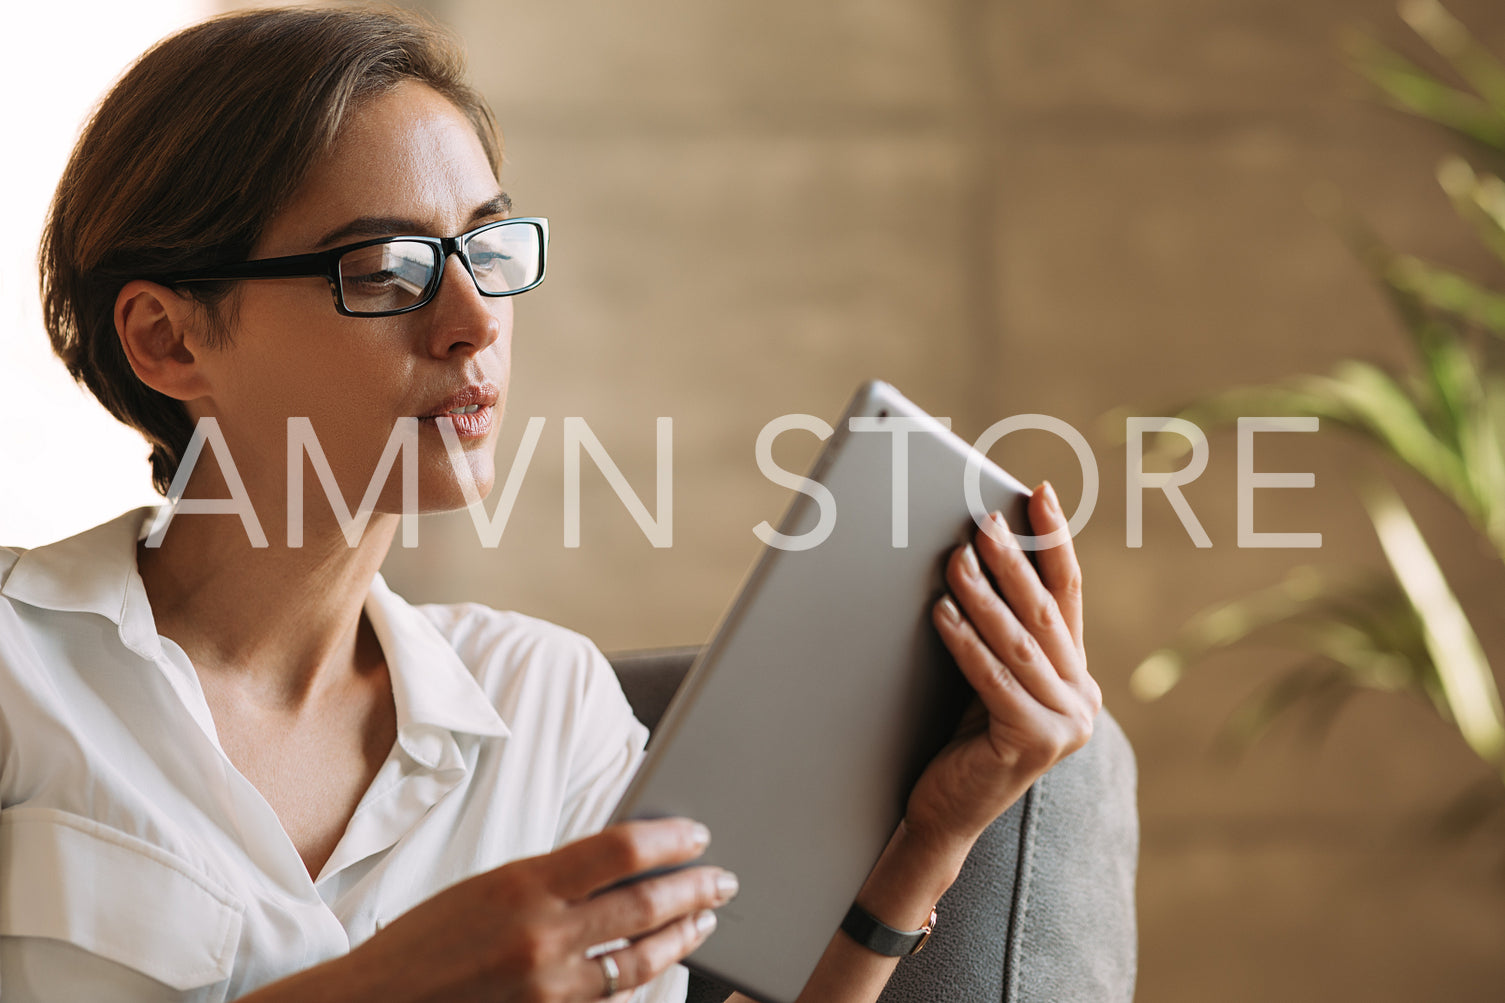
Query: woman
x=235 y=765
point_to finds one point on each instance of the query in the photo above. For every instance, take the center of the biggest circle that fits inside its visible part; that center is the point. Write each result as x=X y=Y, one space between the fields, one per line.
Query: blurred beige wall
x=1002 y=208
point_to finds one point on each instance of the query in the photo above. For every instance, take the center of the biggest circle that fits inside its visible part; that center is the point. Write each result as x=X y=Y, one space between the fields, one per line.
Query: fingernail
x=949 y=610
x=727 y=885
x=705 y=922
x=1050 y=495
x=700 y=836
x=969 y=562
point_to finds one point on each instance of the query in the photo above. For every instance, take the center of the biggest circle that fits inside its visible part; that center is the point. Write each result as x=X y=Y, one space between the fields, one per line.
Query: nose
x=462 y=321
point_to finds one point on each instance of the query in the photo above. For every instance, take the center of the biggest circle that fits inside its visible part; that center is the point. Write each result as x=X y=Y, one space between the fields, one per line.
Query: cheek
x=308 y=360
x=280 y=366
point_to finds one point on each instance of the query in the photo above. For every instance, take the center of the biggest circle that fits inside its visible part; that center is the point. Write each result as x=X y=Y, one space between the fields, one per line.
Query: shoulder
x=91 y=571
x=479 y=628
x=529 y=668
x=491 y=641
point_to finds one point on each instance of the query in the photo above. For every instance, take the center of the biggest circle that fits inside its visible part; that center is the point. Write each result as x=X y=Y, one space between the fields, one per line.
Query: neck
x=285 y=622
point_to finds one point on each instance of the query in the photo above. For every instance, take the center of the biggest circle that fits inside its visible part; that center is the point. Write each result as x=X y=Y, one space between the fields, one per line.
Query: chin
x=441 y=490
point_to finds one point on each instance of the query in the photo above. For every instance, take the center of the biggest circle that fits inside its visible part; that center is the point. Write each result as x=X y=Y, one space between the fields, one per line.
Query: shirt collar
x=432 y=689
x=92 y=572
x=433 y=692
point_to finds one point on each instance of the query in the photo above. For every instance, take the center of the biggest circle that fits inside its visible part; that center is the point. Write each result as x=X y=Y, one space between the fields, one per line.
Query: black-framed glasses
x=392 y=275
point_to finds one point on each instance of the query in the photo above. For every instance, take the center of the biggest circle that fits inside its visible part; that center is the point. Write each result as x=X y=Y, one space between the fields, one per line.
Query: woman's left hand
x=1020 y=646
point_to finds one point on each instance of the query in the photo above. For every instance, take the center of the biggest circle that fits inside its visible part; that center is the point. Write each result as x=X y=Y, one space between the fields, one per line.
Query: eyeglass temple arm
x=319 y=263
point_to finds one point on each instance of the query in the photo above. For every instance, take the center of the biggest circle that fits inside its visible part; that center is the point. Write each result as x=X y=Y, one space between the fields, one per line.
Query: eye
x=399 y=265
x=372 y=281
x=485 y=260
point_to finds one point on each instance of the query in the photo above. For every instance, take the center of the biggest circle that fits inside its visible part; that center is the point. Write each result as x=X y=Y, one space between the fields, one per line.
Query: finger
x=648 y=957
x=1001 y=691
x=588 y=865
x=1059 y=570
x=644 y=906
x=1026 y=594
x=1029 y=657
x=1037 y=734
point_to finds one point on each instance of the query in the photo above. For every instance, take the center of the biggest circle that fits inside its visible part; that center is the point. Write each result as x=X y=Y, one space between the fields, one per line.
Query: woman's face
x=406 y=163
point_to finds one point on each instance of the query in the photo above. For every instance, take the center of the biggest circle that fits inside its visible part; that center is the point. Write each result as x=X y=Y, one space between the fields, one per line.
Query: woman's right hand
x=520 y=932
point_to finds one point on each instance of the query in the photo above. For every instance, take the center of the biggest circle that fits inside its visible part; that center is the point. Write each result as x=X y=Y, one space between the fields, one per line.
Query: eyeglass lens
x=396 y=275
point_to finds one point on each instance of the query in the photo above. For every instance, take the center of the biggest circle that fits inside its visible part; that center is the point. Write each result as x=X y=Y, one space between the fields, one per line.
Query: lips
x=471 y=410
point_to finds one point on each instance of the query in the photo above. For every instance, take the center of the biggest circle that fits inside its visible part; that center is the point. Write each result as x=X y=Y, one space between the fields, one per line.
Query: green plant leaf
x=1478 y=199
x=1412 y=89
x=1494 y=410
x=1455 y=43
x=1448 y=292
x=1444 y=420
x=1468 y=684
x=1364 y=625
x=1376 y=633
x=1424 y=434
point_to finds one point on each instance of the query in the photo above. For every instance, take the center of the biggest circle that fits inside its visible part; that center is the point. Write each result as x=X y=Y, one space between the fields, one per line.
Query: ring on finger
x=610 y=973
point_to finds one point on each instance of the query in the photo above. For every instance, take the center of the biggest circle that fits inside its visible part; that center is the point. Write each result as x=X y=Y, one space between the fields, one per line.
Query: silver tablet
x=825 y=690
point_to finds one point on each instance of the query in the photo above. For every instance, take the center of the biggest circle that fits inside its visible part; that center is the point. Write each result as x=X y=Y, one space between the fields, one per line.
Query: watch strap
x=880 y=938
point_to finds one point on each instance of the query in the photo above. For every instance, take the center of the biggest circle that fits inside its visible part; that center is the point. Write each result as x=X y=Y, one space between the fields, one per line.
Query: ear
x=156 y=325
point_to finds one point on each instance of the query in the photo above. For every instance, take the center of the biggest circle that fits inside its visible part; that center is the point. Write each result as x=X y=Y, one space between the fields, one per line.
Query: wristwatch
x=880 y=938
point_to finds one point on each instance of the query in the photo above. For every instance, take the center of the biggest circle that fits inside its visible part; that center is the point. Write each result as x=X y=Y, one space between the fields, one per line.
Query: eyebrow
x=499 y=204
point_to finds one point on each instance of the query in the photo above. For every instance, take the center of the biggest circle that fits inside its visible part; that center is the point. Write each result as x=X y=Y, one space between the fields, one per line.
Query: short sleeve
x=609 y=745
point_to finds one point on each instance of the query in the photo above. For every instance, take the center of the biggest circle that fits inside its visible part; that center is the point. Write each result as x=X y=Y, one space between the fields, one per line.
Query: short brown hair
x=190 y=156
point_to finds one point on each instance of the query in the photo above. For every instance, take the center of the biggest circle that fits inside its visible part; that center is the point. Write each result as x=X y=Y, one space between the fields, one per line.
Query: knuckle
x=1084 y=733
x=1094 y=699
x=1075 y=732
x=1086 y=722
x=685 y=937
x=646 y=903
x=1047 y=745
x=626 y=850
x=1021 y=650
x=1001 y=678
x=649 y=958
x=646 y=959
x=971 y=644
x=1044 y=618
x=964 y=642
x=533 y=947
x=1053 y=751
x=1058 y=741
x=965 y=588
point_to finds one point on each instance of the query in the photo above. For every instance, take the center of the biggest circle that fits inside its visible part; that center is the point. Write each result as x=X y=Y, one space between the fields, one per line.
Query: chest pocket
x=86 y=909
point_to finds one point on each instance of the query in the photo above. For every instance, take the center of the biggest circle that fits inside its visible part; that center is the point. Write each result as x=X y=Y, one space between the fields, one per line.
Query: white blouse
x=137 y=864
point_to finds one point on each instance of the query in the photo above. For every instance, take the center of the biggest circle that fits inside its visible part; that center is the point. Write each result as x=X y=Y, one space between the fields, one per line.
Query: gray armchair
x=1044 y=909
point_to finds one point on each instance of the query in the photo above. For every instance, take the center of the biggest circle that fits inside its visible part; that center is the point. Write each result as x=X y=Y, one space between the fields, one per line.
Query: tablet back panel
x=801 y=728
